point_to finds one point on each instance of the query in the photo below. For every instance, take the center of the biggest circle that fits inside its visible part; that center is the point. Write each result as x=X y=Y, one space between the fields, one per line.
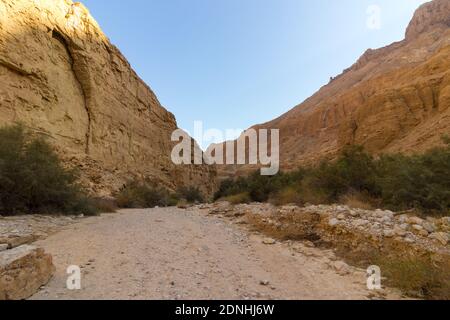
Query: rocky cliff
x=393 y=99
x=61 y=77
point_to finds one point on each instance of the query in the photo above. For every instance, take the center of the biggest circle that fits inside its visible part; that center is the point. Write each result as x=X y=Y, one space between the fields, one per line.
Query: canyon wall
x=393 y=99
x=62 y=78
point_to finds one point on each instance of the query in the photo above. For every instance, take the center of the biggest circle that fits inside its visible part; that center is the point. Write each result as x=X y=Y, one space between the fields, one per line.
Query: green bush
x=354 y=171
x=190 y=194
x=33 y=179
x=421 y=182
x=136 y=194
x=396 y=182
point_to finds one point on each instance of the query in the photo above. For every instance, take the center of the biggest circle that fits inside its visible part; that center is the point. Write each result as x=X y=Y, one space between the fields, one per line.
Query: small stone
x=404 y=226
x=360 y=222
x=333 y=222
x=341 y=216
x=409 y=239
x=389 y=233
x=424 y=233
x=269 y=241
x=3 y=247
x=417 y=227
x=309 y=244
x=341 y=267
x=354 y=213
x=399 y=231
x=264 y=282
x=430 y=227
x=442 y=237
x=415 y=220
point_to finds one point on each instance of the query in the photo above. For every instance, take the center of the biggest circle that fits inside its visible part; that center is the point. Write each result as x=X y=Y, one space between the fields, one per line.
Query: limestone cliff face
x=394 y=99
x=61 y=77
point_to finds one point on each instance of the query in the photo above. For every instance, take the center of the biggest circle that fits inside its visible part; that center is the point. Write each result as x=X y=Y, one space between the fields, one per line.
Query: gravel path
x=182 y=254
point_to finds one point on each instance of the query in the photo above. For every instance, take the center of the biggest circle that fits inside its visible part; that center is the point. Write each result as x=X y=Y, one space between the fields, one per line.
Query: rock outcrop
x=61 y=77
x=393 y=99
x=351 y=232
x=23 y=271
x=19 y=230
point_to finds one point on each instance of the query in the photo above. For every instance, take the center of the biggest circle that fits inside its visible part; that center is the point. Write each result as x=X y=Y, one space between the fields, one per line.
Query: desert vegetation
x=396 y=182
x=416 y=276
x=147 y=194
x=34 y=180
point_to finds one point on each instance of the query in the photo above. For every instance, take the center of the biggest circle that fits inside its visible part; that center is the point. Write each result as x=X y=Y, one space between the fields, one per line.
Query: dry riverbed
x=187 y=254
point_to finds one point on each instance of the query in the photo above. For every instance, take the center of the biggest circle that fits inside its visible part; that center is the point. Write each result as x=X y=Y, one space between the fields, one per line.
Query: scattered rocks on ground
x=19 y=230
x=442 y=237
x=346 y=229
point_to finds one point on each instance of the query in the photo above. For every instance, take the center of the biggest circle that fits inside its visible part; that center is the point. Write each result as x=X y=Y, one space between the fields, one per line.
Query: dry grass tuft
x=286 y=196
x=240 y=198
x=418 y=277
x=357 y=200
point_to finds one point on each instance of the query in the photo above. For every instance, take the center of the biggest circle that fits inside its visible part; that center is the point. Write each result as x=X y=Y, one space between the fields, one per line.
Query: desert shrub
x=359 y=200
x=33 y=179
x=354 y=171
x=138 y=194
x=287 y=195
x=239 y=198
x=259 y=188
x=396 y=182
x=183 y=204
x=104 y=205
x=417 y=276
x=190 y=194
x=230 y=187
x=421 y=181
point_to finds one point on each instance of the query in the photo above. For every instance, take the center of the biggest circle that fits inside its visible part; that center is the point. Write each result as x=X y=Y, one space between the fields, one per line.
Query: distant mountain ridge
x=393 y=99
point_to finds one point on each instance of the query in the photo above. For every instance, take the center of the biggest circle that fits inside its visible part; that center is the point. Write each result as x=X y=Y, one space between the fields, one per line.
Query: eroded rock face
x=23 y=271
x=394 y=99
x=62 y=78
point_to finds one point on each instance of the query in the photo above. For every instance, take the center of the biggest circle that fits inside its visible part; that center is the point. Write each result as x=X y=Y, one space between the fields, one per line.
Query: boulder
x=23 y=270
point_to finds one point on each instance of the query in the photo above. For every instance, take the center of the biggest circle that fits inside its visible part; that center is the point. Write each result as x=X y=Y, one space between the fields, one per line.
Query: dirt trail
x=185 y=254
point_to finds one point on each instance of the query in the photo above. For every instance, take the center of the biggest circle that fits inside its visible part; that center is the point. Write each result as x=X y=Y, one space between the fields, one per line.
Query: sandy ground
x=181 y=254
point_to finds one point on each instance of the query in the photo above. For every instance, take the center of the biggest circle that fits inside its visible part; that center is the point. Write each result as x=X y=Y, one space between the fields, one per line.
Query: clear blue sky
x=236 y=63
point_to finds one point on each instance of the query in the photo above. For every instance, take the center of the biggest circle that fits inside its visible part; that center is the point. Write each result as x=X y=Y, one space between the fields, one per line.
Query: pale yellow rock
x=23 y=271
x=61 y=77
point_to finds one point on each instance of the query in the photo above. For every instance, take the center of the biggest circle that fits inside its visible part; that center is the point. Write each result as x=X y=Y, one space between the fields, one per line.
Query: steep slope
x=61 y=77
x=392 y=99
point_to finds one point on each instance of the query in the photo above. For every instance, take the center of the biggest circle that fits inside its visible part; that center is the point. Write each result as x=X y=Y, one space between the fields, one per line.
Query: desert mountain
x=61 y=77
x=393 y=99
